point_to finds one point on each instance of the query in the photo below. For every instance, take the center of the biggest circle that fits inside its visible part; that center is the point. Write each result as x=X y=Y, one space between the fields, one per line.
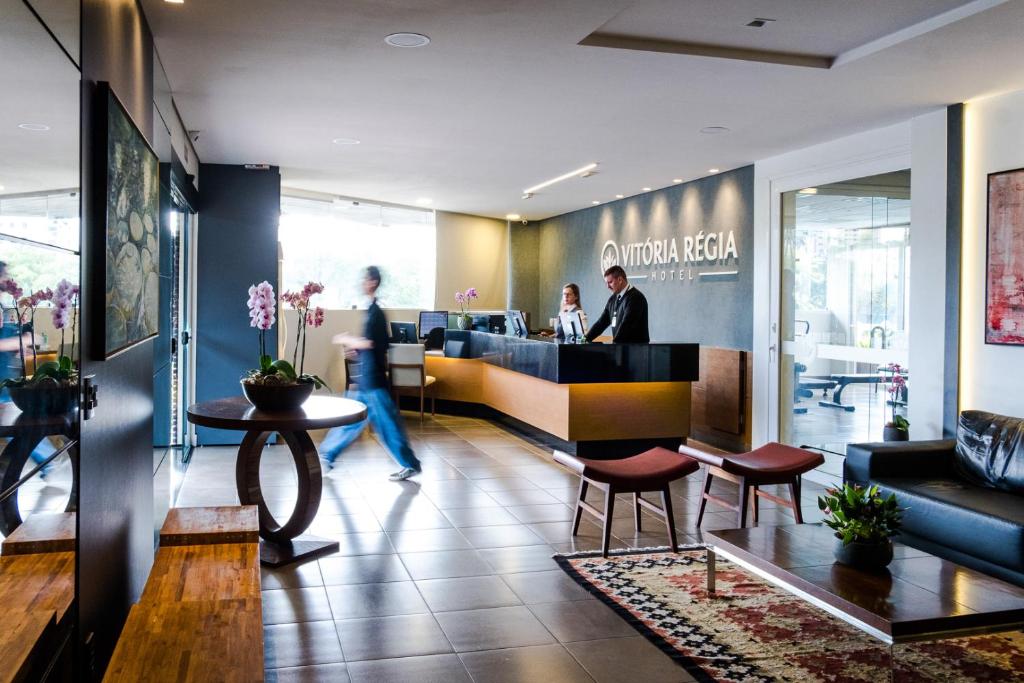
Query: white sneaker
x=402 y=475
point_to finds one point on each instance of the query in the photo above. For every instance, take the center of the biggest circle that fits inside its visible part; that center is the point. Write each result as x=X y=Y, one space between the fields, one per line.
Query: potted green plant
x=898 y=428
x=275 y=385
x=864 y=523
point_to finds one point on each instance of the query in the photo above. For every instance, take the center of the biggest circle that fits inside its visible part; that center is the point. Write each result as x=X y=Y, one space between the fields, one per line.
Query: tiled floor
x=449 y=576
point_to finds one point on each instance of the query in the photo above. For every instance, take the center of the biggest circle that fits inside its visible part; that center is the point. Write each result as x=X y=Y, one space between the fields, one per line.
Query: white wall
x=991 y=376
x=927 y=314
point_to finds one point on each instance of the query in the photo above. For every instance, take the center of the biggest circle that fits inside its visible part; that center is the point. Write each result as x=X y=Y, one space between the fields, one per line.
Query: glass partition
x=844 y=301
x=39 y=334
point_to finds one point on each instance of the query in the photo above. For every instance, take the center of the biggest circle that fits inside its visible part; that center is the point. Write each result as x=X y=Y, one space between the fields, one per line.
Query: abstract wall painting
x=1004 y=286
x=132 y=238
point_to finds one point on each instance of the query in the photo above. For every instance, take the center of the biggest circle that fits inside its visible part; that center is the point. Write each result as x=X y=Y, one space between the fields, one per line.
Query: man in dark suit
x=625 y=312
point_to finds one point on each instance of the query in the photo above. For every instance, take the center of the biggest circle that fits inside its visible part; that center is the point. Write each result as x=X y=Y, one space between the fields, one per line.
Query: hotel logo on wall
x=704 y=255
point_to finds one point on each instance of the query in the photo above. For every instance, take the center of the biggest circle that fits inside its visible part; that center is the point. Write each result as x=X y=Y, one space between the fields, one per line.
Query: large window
x=332 y=241
x=39 y=238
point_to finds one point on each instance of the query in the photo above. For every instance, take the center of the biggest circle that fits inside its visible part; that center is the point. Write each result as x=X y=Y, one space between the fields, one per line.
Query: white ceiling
x=504 y=97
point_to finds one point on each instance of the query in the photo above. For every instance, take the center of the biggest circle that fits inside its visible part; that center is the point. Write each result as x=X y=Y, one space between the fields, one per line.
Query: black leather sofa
x=964 y=497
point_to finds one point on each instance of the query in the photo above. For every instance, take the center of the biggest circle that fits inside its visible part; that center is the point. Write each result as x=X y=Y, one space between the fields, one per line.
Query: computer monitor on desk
x=430 y=320
x=403 y=333
x=572 y=325
x=517 y=323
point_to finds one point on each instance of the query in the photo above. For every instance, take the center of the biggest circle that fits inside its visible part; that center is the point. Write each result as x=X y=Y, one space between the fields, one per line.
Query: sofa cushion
x=952 y=512
x=990 y=450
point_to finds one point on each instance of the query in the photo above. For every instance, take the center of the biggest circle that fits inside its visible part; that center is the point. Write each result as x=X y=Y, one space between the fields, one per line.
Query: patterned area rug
x=753 y=631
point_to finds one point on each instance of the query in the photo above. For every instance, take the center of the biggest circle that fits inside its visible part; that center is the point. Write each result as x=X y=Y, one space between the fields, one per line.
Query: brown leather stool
x=651 y=470
x=772 y=463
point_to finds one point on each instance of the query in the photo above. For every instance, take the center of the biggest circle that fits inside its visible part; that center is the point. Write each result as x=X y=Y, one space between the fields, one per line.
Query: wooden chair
x=407 y=369
x=651 y=470
x=351 y=372
x=773 y=463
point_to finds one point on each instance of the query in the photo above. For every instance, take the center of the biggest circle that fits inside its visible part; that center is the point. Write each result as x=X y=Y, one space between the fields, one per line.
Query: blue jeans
x=382 y=414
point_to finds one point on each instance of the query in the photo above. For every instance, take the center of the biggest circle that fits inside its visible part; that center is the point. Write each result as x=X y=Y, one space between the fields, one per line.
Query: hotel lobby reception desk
x=600 y=399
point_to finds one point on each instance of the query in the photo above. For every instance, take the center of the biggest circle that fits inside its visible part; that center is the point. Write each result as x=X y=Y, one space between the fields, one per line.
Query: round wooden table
x=282 y=542
x=25 y=433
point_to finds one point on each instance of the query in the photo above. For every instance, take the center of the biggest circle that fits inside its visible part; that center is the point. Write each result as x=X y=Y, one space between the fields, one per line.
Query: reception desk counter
x=603 y=399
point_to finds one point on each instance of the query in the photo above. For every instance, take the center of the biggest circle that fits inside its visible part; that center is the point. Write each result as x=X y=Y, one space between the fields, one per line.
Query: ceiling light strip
x=566 y=176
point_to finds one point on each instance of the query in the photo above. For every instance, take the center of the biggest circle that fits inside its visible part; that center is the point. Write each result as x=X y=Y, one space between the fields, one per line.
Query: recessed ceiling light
x=619 y=196
x=677 y=180
x=646 y=189
x=424 y=201
x=406 y=40
x=714 y=130
x=512 y=216
x=808 y=190
x=175 y=2
x=1 y=187
x=712 y=170
x=583 y=172
x=595 y=202
x=345 y=141
x=33 y=126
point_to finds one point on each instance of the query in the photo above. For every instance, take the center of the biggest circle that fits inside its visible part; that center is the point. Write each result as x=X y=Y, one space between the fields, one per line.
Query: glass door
x=181 y=331
x=844 y=290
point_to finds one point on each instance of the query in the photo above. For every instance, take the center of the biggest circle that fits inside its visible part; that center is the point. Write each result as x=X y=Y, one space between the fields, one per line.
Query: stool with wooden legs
x=651 y=470
x=773 y=463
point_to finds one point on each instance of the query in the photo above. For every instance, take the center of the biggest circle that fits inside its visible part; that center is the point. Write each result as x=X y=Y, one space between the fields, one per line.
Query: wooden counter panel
x=545 y=405
x=649 y=410
x=458 y=379
x=573 y=412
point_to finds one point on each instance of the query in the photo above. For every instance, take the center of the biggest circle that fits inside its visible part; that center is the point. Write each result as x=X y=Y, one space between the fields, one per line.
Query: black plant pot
x=45 y=398
x=864 y=555
x=895 y=434
x=277 y=397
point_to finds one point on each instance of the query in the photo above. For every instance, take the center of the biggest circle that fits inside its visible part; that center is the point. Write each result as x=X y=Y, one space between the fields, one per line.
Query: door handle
x=771 y=353
x=89 y=393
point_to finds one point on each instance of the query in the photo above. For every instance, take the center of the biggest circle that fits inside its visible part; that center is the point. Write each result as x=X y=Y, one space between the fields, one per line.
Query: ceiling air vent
x=760 y=22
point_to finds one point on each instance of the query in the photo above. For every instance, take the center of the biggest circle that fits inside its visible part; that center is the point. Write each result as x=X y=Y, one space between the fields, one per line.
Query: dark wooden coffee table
x=282 y=543
x=919 y=597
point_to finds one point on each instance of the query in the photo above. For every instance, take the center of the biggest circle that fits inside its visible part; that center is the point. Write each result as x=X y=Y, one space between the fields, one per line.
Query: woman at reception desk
x=596 y=400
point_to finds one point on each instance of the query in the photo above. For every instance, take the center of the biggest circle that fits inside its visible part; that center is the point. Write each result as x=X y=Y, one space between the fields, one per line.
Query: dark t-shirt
x=373 y=362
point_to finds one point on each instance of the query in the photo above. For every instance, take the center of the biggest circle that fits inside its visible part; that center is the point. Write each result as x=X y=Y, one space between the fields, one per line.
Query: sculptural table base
x=284 y=543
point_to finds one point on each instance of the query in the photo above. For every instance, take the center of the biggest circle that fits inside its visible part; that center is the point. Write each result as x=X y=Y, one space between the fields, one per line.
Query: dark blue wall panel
x=237 y=246
x=708 y=301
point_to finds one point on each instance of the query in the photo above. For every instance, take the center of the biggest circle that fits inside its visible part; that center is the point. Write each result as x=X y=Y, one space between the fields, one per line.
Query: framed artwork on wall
x=132 y=210
x=1004 y=272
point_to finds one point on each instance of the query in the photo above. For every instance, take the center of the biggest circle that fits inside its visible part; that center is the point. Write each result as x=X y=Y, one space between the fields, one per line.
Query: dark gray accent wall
x=239 y=213
x=524 y=271
x=954 y=233
x=115 y=508
x=705 y=301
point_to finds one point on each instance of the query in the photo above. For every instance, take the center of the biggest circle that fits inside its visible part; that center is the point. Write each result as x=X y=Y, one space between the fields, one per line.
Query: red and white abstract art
x=1004 y=306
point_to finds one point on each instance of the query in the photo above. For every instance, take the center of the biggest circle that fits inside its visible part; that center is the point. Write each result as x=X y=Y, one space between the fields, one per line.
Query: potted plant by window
x=464 y=320
x=275 y=385
x=52 y=388
x=898 y=428
x=864 y=523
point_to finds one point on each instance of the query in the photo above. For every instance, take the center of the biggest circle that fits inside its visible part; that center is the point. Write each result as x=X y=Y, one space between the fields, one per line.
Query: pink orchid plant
x=262 y=315
x=463 y=299
x=24 y=307
x=309 y=316
x=897 y=389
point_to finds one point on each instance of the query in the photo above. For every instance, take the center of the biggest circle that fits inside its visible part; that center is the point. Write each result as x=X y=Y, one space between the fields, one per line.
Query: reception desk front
x=601 y=399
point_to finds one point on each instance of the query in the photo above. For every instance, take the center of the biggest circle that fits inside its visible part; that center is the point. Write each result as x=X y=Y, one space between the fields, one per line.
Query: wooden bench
x=36 y=594
x=42 y=533
x=200 y=615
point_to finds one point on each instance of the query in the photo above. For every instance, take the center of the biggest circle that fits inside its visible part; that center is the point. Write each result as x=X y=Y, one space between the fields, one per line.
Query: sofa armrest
x=869 y=461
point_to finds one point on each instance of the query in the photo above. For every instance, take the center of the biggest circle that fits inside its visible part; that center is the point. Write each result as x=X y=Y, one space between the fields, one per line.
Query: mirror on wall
x=39 y=337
